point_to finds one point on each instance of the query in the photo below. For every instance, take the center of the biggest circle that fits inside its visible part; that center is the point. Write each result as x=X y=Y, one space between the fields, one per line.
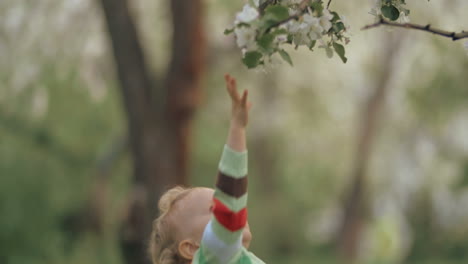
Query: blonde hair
x=163 y=245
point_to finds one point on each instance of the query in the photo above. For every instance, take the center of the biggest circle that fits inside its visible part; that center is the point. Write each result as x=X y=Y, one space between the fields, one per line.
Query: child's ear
x=187 y=249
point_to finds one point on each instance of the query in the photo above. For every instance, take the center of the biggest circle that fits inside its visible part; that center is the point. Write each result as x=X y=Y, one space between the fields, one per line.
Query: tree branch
x=428 y=28
x=328 y=5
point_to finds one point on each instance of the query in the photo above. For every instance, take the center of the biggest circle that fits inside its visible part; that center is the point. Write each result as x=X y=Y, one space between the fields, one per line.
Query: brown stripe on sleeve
x=232 y=186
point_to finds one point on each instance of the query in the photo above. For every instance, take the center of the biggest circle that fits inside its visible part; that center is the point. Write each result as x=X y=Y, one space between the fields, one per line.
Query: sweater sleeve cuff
x=233 y=163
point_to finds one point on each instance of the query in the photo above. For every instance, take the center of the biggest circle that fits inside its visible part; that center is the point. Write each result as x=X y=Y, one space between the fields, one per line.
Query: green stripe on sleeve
x=233 y=163
x=232 y=203
x=224 y=234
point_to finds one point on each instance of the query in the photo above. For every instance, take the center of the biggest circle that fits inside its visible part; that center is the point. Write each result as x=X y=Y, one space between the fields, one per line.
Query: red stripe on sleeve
x=227 y=218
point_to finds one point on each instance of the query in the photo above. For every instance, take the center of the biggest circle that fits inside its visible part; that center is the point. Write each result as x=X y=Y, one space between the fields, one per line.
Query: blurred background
x=106 y=103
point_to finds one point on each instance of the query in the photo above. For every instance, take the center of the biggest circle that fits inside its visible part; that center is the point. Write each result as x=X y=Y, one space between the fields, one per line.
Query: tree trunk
x=355 y=205
x=183 y=80
x=143 y=121
x=159 y=128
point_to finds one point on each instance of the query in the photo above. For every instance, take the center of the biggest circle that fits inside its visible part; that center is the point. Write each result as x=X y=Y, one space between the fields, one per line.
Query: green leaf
x=277 y=12
x=317 y=7
x=266 y=23
x=228 y=31
x=338 y=27
x=340 y=50
x=390 y=12
x=265 y=42
x=286 y=57
x=252 y=59
x=329 y=52
x=336 y=17
x=312 y=44
x=405 y=11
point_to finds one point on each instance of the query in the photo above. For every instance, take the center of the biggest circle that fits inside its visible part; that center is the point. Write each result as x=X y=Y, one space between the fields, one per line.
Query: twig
x=328 y=5
x=428 y=28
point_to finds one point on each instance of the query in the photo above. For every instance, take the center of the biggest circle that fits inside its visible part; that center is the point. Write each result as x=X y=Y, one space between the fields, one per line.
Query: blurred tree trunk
x=184 y=78
x=355 y=203
x=159 y=116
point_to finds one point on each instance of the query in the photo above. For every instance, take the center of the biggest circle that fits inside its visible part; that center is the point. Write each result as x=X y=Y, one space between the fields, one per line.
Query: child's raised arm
x=222 y=238
x=239 y=116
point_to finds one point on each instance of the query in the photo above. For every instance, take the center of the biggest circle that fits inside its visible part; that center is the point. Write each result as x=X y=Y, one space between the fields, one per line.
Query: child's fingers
x=249 y=105
x=231 y=87
x=245 y=94
x=227 y=79
x=233 y=92
x=234 y=85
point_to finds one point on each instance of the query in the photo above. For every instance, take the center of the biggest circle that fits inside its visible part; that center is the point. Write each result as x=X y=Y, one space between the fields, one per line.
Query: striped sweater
x=222 y=239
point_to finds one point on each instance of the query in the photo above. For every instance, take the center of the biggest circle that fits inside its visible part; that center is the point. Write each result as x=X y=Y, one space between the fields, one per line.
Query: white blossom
x=313 y=35
x=306 y=31
x=325 y=20
x=245 y=37
x=315 y=32
x=404 y=18
x=281 y=39
x=327 y=14
x=302 y=38
x=303 y=30
x=304 y=27
x=292 y=12
x=247 y=15
x=293 y=26
x=314 y=27
x=310 y=19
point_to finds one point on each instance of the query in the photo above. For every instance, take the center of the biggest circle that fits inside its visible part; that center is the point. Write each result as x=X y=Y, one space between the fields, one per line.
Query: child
x=206 y=226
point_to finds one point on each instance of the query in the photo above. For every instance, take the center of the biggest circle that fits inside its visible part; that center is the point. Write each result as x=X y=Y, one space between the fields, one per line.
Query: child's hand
x=240 y=104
